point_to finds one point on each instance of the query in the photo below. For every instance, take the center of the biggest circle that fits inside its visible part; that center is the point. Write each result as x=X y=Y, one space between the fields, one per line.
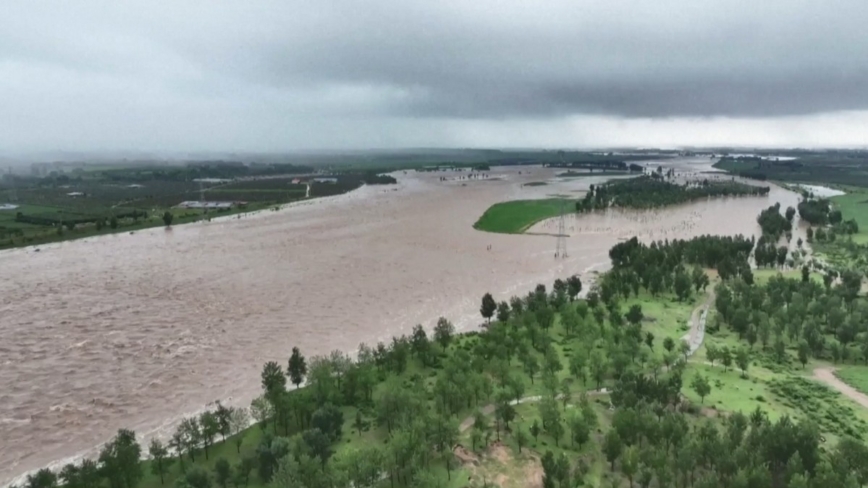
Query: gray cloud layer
x=275 y=74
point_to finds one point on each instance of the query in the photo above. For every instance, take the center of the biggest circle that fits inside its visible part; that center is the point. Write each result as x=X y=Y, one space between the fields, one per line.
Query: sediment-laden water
x=136 y=330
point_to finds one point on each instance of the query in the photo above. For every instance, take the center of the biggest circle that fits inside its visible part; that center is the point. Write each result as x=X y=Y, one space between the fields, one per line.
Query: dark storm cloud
x=647 y=59
x=269 y=74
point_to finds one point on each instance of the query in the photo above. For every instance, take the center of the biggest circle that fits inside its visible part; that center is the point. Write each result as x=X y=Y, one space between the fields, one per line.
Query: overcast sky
x=179 y=75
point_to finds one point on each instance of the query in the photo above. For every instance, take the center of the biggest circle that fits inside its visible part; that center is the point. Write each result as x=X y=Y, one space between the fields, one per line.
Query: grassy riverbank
x=517 y=216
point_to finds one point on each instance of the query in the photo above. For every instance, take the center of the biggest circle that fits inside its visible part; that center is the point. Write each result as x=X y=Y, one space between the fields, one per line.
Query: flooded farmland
x=133 y=331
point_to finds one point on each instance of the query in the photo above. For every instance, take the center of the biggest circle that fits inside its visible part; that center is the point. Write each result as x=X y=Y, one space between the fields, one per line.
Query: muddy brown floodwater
x=134 y=331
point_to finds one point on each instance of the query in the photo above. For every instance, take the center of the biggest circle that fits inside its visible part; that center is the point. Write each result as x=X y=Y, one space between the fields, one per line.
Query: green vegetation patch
x=536 y=183
x=855 y=376
x=820 y=404
x=517 y=216
x=855 y=206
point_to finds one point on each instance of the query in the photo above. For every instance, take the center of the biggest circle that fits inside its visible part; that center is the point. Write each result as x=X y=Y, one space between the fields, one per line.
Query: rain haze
x=277 y=76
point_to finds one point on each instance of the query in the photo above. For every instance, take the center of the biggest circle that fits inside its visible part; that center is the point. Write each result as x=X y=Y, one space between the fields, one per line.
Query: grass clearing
x=854 y=205
x=516 y=216
x=854 y=375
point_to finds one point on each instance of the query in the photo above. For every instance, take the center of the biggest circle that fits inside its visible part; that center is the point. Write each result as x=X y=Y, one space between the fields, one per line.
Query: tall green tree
x=701 y=386
x=160 y=460
x=489 y=306
x=297 y=367
x=443 y=332
x=120 y=460
x=210 y=427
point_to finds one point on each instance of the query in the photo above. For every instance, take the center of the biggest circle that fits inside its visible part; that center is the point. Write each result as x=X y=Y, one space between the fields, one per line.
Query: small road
x=827 y=376
x=489 y=409
x=696 y=334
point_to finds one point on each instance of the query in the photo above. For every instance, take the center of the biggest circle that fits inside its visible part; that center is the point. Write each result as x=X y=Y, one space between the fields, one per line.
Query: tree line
x=646 y=192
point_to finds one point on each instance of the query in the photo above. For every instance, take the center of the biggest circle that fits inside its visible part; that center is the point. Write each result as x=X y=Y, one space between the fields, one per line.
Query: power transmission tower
x=561 y=249
x=561 y=246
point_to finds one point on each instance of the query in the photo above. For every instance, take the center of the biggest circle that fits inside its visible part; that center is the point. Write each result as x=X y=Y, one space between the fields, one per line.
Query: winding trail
x=696 y=334
x=694 y=337
x=827 y=376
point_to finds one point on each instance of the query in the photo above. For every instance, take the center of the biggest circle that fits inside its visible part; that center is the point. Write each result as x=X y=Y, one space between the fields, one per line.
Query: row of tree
x=647 y=192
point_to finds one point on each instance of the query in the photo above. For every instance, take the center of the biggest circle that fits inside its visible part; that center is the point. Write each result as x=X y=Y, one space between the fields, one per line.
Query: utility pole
x=561 y=245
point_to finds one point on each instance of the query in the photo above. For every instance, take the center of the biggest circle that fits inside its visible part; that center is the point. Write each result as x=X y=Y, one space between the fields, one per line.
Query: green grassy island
x=517 y=216
x=679 y=367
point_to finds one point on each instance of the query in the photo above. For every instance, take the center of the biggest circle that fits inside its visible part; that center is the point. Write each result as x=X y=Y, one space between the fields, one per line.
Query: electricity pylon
x=561 y=249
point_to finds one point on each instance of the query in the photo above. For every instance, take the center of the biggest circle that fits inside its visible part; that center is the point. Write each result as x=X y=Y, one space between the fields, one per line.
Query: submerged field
x=517 y=216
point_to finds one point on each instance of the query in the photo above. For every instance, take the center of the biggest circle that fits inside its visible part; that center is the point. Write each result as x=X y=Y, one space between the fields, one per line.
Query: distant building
x=75 y=194
x=209 y=205
x=7 y=206
x=325 y=180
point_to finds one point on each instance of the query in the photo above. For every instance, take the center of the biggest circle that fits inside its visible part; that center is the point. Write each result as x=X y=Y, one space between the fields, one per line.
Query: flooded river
x=135 y=330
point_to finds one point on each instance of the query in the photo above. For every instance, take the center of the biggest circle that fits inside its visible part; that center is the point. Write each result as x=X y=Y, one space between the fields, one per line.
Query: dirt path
x=827 y=375
x=489 y=409
x=696 y=334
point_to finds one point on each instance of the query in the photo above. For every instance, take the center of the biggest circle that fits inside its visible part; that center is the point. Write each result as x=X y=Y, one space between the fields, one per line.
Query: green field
x=517 y=216
x=854 y=205
x=854 y=375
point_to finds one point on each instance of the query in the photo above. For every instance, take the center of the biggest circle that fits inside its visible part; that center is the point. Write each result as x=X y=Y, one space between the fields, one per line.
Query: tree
x=551 y=418
x=261 y=410
x=239 y=419
x=197 y=477
x=531 y=365
x=160 y=461
x=113 y=222
x=223 y=415
x=167 y=218
x=44 y=478
x=599 y=366
x=711 y=353
x=120 y=460
x=329 y=420
x=612 y=447
x=222 y=472
x=668 y=344
x=273 y=381
x=726 y=358
x=701 y=386
x=581 y=431
x=297 y=367
x=443 y=332
x=504 y=411
x=210 y=427
x=535 y=429
x=520 y=438
x=682 y=285
x=488 y=307
x=804 y=352
x=503 y=311
x=243 y=469
x=743 y=360
x=318 y=443
x=684 y=349
x=634 y=315
x=574 y=286
x=649 y=340
x=630 y=463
